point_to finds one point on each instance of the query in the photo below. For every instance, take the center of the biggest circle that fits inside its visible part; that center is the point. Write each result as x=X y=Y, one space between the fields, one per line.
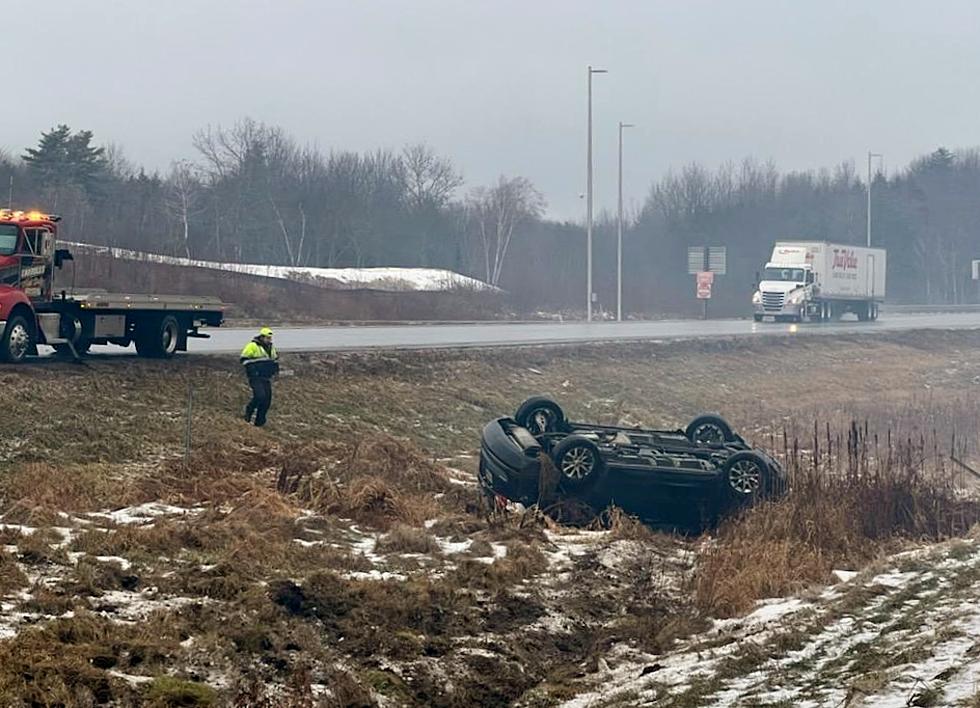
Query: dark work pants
x=261 y=399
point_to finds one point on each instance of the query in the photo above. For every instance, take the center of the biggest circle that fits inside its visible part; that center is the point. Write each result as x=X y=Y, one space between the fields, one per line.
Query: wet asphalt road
x=425 y=336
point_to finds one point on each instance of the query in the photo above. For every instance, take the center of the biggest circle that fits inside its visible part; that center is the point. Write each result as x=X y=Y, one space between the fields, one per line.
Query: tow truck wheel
x=16 y=341
x=157 y=338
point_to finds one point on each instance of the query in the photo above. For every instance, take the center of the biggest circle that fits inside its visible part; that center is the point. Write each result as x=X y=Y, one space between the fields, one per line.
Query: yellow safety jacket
x=260 y=360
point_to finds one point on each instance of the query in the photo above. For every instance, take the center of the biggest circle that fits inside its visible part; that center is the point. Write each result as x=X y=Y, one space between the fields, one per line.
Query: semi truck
x=32 y=313
x=820 y=281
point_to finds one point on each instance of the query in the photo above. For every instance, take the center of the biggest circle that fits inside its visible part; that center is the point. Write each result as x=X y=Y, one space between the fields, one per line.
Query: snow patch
x=143 y=514
x=385 y=278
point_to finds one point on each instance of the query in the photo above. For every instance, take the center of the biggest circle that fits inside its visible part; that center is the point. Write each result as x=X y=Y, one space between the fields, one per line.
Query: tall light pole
x=588 y=207
x=619 y=229
x=870 y=155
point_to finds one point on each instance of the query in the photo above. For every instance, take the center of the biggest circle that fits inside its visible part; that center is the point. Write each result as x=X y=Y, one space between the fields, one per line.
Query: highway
x=495 y=334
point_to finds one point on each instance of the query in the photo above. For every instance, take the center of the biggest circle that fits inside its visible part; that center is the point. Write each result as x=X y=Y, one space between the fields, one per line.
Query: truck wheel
x=748 y=475
x=541 y=415
x=579 y=463
x=16 y=342
x=157 y=338
x=709 y=429
x=757 y=318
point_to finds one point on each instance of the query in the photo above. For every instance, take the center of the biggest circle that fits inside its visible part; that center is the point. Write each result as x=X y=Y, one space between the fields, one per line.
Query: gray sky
x=499 y=86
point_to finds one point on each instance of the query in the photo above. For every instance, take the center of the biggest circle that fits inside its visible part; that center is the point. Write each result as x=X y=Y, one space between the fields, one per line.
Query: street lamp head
x=627 y=125
x=597 y=71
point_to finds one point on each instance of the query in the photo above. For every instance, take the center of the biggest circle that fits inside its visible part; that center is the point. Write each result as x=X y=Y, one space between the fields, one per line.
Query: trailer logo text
x=845 y=260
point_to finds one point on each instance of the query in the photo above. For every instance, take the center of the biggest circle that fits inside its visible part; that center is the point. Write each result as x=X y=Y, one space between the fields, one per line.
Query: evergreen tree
x=62 y=158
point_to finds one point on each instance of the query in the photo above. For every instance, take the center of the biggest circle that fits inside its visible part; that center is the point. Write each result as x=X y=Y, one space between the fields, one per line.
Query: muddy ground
x=341 y=555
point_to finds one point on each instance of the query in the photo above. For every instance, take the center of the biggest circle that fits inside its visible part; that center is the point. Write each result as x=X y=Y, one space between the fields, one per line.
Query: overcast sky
x=499 y=85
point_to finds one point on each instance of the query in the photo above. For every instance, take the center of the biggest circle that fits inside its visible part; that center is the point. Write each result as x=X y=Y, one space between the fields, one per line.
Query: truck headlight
x=757 y=298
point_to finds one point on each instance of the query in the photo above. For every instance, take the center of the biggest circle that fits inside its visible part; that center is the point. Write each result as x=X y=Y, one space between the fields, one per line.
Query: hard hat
x=265 y=332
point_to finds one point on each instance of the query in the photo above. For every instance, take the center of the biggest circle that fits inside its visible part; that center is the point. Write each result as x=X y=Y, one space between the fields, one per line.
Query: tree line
x=251 y=193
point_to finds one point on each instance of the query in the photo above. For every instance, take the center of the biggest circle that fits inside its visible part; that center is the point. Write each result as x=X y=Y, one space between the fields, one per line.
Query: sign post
x=976 y=276
x=704 y=263
x=704 y=281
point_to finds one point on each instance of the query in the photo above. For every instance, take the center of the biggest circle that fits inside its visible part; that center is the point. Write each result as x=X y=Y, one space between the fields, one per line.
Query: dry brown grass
x=325 y=450
x=373 y=501
x=408 y=539
x=11 y=576
x=847 y=503
x=63 y=662
x=35 y=493
x=522 y=562
x=37 y=549
x=395 y=618
x=9 y=536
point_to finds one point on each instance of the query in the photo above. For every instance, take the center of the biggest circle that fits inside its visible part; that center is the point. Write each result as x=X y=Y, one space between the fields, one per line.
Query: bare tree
x=116 y=162
x=430 y=180
x=496 y=211
x=183 y=198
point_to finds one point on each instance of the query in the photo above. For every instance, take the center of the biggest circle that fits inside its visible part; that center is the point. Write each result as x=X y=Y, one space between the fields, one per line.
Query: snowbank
x=390 y=279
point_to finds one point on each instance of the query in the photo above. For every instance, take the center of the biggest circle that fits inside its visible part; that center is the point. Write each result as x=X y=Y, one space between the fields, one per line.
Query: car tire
x=579 y=463
x=540 y=415
x=710 y=429
x=16 y=342
x=747 y=476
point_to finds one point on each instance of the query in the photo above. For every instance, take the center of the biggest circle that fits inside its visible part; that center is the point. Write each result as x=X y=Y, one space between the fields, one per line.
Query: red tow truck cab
x=32 y=314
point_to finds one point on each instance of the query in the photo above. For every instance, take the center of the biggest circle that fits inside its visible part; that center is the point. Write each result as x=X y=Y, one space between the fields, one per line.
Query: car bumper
x=784 y=311
x=506 y=467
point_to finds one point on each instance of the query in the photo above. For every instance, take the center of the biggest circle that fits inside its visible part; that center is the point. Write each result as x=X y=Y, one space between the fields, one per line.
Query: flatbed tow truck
x=33 y=314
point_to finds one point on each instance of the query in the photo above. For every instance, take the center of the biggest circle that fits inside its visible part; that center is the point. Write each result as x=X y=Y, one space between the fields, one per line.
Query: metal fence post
x=188 y=430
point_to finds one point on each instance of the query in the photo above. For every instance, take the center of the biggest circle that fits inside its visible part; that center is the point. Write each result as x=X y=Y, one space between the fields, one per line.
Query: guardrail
x=887 y=307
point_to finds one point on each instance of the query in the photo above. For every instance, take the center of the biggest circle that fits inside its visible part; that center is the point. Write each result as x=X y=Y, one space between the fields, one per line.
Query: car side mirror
x=60 y=256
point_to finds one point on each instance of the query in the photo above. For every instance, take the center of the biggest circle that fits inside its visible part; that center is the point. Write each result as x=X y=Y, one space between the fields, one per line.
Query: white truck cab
x=784 y=290
x=821 y=281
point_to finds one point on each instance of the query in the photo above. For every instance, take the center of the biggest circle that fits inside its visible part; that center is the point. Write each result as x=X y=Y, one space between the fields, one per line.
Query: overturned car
x=686 y=478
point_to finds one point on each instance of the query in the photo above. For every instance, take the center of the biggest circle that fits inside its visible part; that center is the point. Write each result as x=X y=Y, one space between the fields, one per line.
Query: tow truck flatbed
x=101 y=299
x=32 y=313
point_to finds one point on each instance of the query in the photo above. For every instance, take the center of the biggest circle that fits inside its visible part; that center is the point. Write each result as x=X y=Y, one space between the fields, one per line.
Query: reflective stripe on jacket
x=260 y=361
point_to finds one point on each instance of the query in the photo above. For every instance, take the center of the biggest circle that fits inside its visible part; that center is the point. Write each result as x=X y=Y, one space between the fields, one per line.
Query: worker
x=261 y=362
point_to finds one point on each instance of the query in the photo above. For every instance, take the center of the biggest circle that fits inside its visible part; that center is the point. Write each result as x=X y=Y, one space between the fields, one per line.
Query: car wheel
x=747 y=475
x=710 y=430
x=578 y=461
x=541 y=415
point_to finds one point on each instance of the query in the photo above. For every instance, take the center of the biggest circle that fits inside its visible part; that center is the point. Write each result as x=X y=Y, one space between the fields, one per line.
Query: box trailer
x=818 y=280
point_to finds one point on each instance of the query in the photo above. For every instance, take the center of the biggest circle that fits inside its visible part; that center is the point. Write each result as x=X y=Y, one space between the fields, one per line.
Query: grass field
x=341 y=555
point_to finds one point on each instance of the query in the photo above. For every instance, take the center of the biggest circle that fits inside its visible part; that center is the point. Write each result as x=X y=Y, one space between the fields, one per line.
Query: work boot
x=248 y=414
